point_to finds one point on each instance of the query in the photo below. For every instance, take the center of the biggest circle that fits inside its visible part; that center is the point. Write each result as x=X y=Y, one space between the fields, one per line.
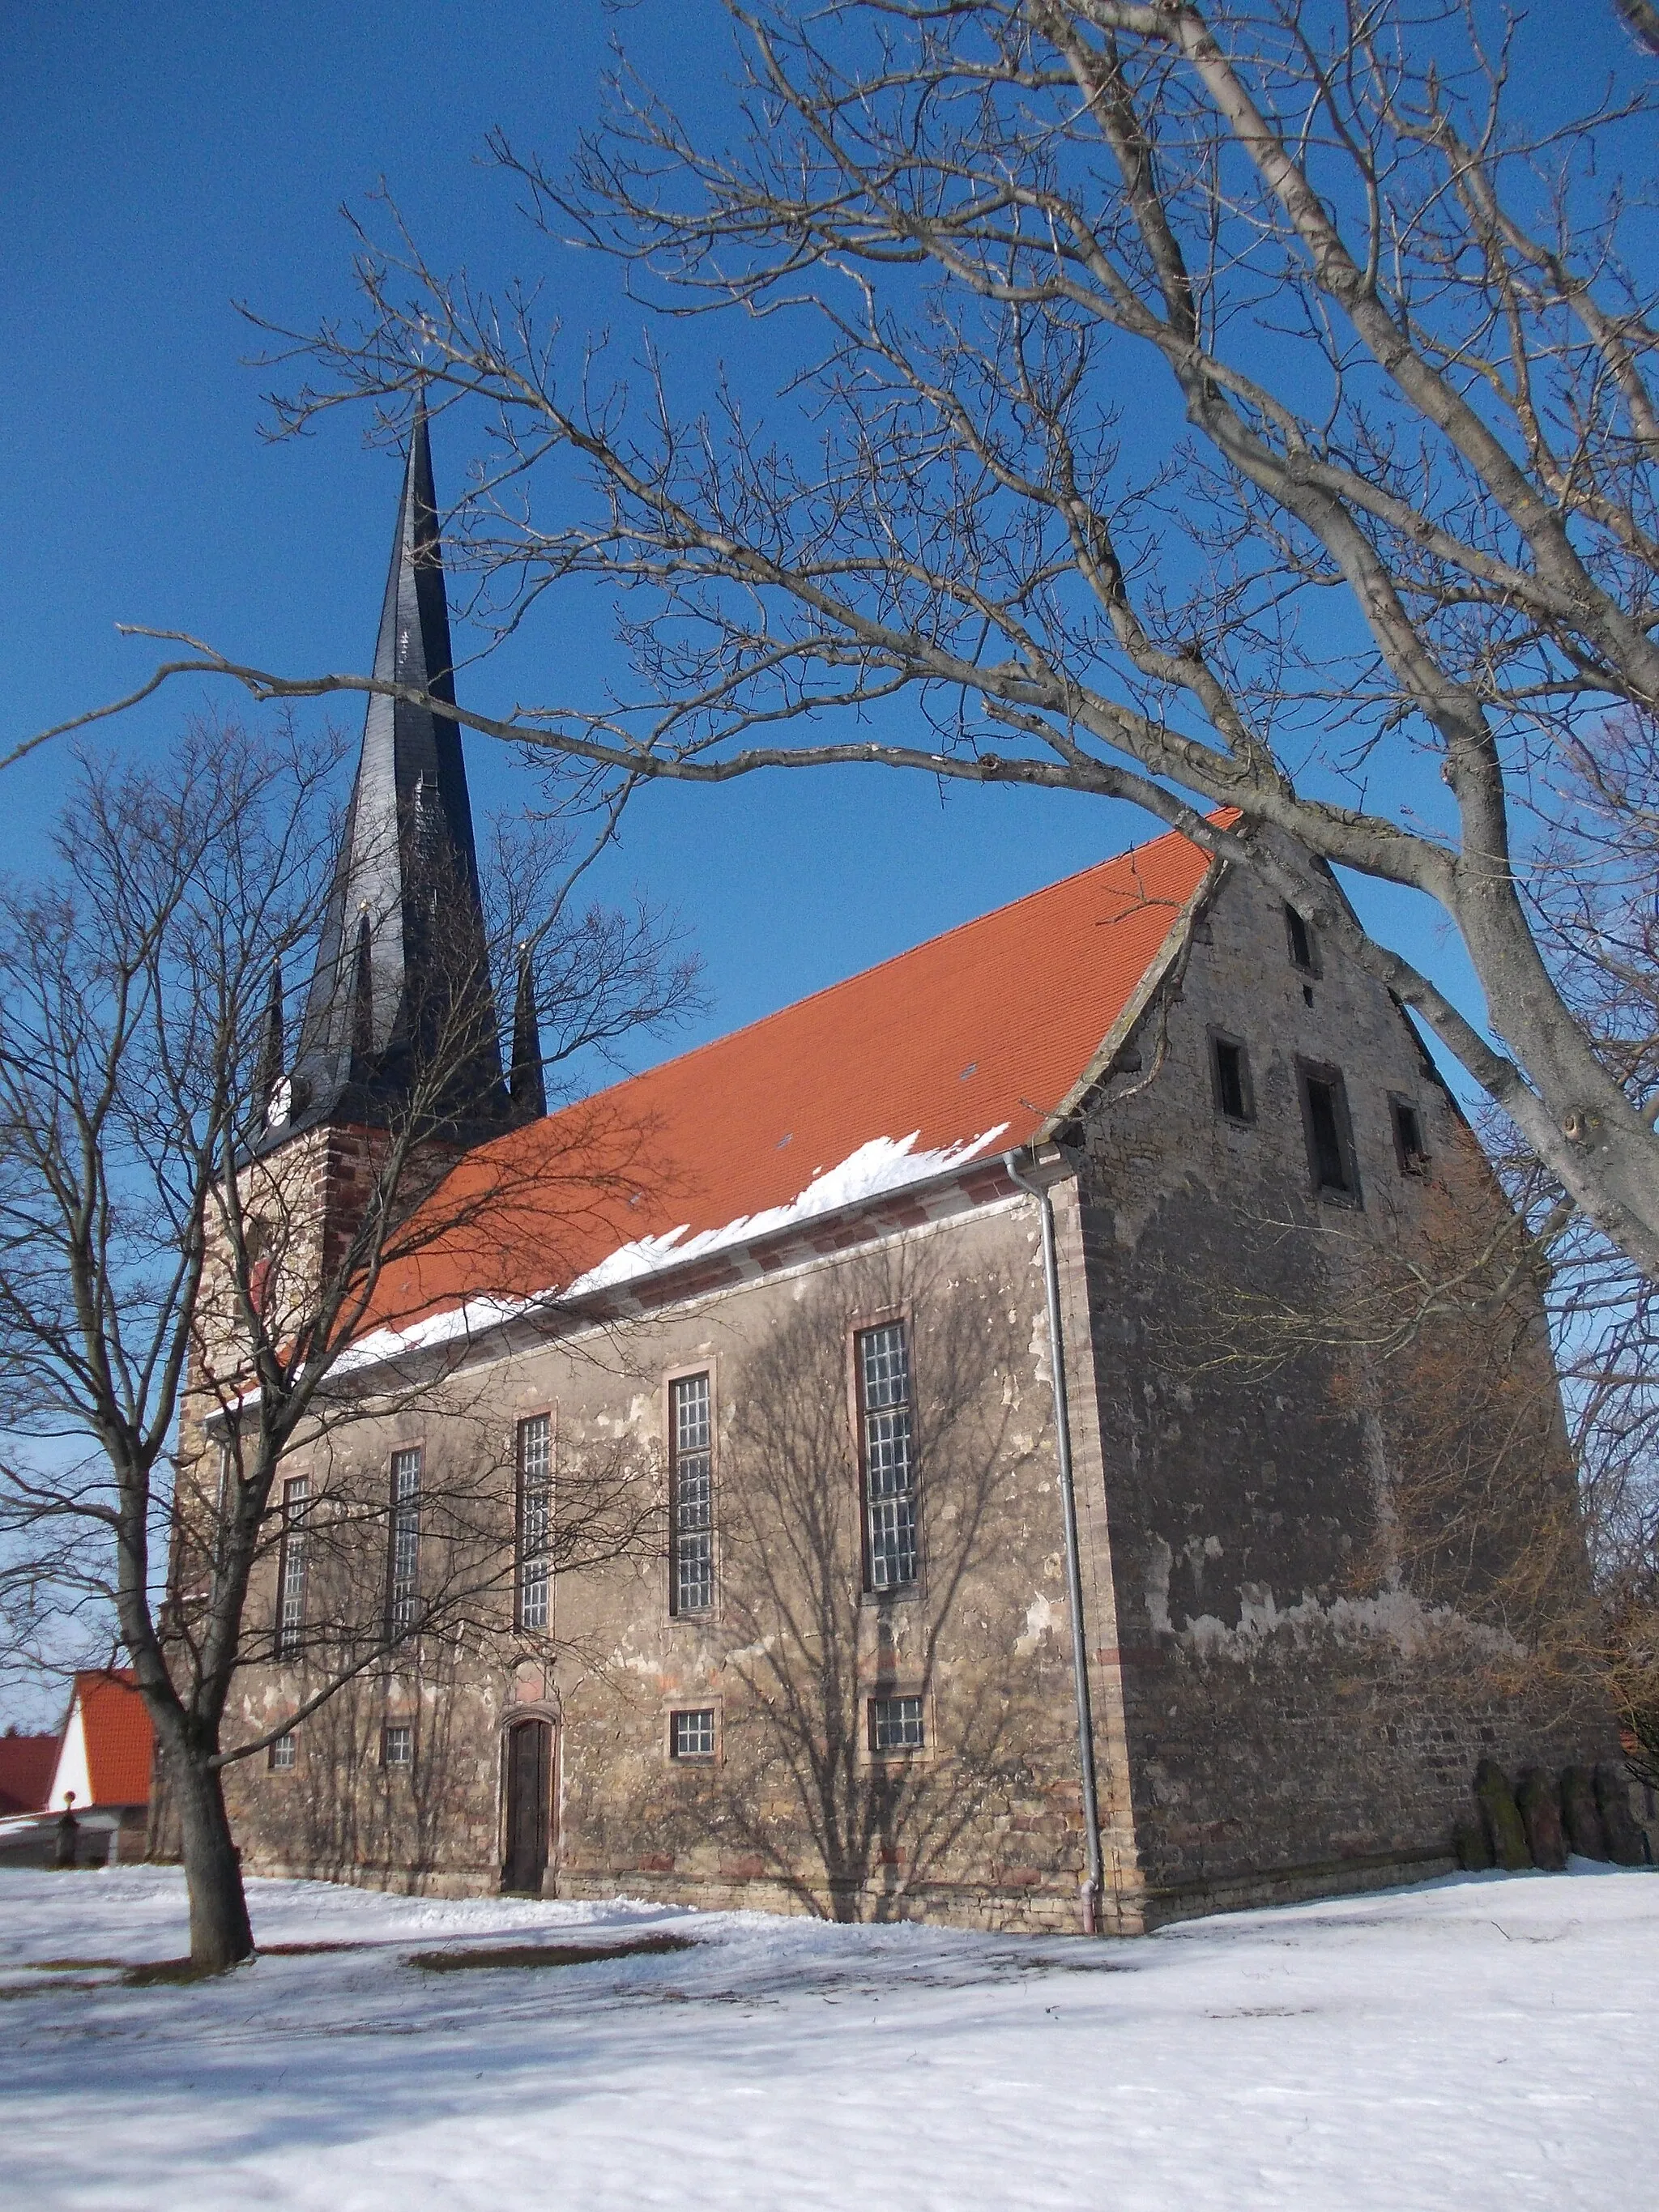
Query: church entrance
x=529 y=1806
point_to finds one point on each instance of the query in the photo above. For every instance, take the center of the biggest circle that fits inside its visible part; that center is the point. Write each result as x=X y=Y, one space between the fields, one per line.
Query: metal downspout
x=1093 y=1881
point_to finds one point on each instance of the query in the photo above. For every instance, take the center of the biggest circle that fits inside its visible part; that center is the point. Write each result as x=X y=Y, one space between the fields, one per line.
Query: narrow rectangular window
x=691 y=1496
x=1330 y=1143
x=291 y=1568
x=1409 y=1148
x=886 y=1446
x=1300 y=938
x=535 y=1520
x=398 y=1744
x=404 y=1576
x=1230 y=1066
x=691 y=1734
x=226 y=1464
x=895 y=1724
x=281 y=1759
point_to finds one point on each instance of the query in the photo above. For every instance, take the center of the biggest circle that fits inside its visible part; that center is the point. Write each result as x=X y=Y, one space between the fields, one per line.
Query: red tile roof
x=120 y=1742
x=26 y=1762
x=964 y=1047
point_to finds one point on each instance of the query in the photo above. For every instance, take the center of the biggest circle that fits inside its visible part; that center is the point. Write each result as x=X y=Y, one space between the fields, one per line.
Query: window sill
x=869 y=1761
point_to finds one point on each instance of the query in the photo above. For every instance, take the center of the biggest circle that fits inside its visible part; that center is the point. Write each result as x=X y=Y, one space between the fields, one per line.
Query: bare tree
x=368 y=1604
x=800 y=1795
x=1517 y=1490
x=185 y=1302
x=1543 y=1531
x=1204 y=406
x=1604 y=1323
x=1643 y=18
x=1594 y=894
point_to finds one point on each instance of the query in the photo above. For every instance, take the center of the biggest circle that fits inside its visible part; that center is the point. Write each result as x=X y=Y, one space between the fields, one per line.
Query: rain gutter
x=1093 y=1880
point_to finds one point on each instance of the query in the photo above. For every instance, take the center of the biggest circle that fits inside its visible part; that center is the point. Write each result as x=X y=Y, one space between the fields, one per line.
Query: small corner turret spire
x=402 y=982
x=268 y=1074
x=527 y=1087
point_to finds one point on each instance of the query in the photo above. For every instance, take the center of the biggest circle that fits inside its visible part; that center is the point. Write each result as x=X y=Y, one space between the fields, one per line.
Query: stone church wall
x=1299 y=1524
x=1305 y=1692
x=983 y=1825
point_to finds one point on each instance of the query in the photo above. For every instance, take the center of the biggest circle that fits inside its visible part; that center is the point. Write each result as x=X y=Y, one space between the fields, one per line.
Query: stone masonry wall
x=982 y=1826
x=1300 y=1709
x=1291 y=1685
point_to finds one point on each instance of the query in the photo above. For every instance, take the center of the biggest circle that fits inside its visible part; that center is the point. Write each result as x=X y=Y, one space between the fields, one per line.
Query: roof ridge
x=972 y=1026
x=861 y=974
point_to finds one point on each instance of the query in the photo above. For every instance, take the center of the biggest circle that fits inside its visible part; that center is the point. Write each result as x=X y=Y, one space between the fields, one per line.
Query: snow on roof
x=976 y=1039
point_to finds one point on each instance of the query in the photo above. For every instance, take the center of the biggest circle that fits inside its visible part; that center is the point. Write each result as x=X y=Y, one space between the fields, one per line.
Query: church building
x=1004 y=1507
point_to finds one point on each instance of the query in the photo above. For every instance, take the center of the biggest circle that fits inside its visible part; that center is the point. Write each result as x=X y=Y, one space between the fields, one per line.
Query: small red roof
x=964 y=1047
x=26 y=1764
x=120 y=1742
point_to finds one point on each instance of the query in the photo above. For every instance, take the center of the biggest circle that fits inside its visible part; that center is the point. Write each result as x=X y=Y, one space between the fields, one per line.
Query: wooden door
x=529 y=1805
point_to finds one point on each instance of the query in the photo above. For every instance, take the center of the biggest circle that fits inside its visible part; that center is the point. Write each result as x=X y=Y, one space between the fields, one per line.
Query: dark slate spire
x=362 y=1001
x=402 y=977
x=268 y=1074
x=525 y=1084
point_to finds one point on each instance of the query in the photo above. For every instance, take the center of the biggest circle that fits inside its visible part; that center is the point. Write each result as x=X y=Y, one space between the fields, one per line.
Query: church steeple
x=402 y=982
x=525 y=1086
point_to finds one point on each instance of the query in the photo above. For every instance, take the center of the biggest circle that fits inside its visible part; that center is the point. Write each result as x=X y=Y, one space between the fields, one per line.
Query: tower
x=400 y=1017
x=396 y=1070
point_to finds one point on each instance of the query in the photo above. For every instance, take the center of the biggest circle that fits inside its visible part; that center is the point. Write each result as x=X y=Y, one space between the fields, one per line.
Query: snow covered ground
x=1483 y=2042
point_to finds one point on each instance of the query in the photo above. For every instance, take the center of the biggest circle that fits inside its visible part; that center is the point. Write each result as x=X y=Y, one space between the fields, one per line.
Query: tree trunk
x=1611 y=1171
x=219 y=1932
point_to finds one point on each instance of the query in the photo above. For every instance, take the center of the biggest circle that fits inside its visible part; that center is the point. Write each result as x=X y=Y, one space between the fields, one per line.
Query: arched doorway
x=529 y=1806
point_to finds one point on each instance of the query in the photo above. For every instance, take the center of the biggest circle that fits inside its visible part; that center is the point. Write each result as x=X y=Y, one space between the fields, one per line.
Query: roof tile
x=25 y=1769
x=120 y=1742
x=962 y=1047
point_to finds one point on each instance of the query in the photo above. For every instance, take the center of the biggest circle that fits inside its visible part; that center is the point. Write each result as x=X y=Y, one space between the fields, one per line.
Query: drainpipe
x=1093 y=1881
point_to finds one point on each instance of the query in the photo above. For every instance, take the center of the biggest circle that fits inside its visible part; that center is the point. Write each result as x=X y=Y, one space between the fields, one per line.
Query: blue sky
x=160 y=163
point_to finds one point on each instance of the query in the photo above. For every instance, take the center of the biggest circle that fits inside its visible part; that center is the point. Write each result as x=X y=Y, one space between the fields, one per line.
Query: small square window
x=1299 y=936
x=397 y=1744
x=1230 y=1071
x=281 y=1755
x=691 y=1734
x=1409 y=1147
x=895 y=1724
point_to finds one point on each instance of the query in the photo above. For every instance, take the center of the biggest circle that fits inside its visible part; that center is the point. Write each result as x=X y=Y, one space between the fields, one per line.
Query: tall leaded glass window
x=535 y=1520
x=221 y=1499
x=691 y=1496
x=404 y=1578
x=291 y=1568
x=887 y=1447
